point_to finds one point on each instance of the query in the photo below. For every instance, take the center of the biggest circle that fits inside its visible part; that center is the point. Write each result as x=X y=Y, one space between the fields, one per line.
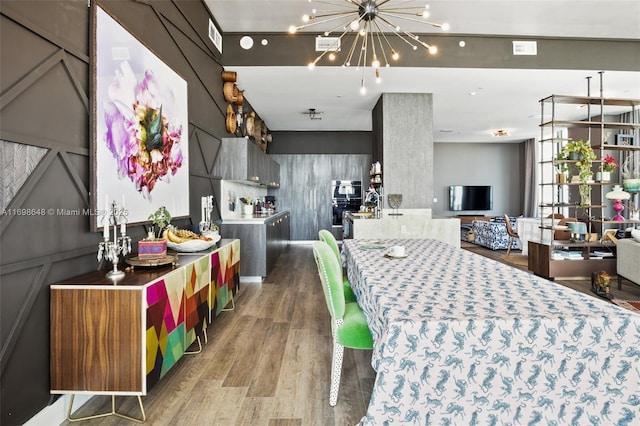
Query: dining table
x=460 y=338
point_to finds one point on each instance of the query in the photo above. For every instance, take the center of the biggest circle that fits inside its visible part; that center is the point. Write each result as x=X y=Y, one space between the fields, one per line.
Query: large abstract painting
x=140 y=140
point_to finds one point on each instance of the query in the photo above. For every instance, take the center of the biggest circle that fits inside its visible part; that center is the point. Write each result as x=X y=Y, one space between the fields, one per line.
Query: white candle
x=105 y=231
x=123 y=228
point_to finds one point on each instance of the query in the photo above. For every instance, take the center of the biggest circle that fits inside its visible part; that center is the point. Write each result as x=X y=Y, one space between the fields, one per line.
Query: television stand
x=466 y=219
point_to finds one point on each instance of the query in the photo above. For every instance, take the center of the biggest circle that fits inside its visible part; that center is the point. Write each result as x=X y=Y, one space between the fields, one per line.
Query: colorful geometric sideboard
x=122 y=339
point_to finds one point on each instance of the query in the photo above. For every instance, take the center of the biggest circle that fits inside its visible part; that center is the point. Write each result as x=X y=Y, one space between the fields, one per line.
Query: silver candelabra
x=121 y=245
x=207 y=208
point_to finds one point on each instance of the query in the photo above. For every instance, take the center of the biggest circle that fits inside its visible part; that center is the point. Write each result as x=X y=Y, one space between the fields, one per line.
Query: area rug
x=632 y=305
x=515 y=259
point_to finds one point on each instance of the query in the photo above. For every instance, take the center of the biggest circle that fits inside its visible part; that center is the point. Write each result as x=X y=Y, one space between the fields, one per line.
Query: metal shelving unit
x=597 y=128
x=601 y=123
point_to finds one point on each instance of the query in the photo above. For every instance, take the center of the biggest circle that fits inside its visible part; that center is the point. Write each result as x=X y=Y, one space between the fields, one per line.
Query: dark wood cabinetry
x=542 y=263
x=262 y=242
x=467 y=220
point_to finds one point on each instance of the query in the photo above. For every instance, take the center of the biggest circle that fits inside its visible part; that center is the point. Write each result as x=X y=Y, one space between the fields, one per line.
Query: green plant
x=583 y=152
x=561 y=162
x=161 y=219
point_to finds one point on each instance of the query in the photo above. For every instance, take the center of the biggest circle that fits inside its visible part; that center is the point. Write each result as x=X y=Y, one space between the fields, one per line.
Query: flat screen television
x=470 y=197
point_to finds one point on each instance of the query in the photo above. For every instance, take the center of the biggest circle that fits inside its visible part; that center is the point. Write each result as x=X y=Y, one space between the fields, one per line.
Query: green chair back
x=330 y=273
x=328 y=238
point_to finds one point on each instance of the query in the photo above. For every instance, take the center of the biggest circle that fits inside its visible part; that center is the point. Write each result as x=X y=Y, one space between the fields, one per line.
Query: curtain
x=530 y=208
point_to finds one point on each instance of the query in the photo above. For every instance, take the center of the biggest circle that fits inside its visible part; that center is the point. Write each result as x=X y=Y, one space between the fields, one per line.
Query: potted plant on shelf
x=609 y=165
x=582 y=153
x=630 y=171
x=155 y=246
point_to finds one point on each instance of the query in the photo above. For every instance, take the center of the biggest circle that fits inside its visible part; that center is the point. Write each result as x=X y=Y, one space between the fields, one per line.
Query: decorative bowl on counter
x=194 y=245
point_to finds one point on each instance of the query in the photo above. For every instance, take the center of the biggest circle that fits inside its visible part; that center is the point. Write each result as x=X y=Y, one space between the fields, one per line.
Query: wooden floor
x=268 y=362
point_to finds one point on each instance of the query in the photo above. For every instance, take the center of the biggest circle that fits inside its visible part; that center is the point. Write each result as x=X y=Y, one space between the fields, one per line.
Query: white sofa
x=628 y=261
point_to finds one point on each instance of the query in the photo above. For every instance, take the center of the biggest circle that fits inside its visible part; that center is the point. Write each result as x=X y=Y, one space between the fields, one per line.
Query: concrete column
x=403 y=129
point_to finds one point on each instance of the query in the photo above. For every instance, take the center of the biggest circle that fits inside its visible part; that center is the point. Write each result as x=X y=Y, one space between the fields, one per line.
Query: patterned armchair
x=493 y=234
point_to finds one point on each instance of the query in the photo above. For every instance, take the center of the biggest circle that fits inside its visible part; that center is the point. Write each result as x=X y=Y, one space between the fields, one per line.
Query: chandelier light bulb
x=414 y=47
x=292 y=29
x=445 y=27
x=363 y=32
x=375 y=63
x=305 y=18
x=332 y=56
x=311 y=65
x=425 y=14
x=394 y=55
x=363 y=90
x=354 y=25
x=433 y=50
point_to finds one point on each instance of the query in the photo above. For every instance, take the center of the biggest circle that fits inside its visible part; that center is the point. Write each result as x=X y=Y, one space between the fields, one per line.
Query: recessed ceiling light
x=264 y=41
x=246 y=42
x=461 y=43
x=473 y=93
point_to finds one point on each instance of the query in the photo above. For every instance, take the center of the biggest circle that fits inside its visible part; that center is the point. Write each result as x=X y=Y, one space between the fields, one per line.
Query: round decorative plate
x=192 y=246
x=134 y=260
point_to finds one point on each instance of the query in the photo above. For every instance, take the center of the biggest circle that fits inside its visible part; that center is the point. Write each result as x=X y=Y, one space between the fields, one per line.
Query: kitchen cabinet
x=242 y=160
x=263 y=241
x=305 y=188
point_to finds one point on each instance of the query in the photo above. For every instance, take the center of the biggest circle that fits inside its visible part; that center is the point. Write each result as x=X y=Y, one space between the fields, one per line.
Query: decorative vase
x=603 y=176
x=631 y=185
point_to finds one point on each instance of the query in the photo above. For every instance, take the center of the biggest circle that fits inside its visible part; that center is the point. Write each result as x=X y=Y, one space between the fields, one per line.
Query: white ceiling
x=506 y=98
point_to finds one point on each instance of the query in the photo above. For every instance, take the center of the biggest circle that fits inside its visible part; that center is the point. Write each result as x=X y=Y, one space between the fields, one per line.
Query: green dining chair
x=349 y=327
x=328 y=238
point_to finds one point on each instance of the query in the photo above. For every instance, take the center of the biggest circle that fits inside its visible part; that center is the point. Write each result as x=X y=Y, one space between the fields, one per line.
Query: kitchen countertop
x=256 y=219
x=355 y=216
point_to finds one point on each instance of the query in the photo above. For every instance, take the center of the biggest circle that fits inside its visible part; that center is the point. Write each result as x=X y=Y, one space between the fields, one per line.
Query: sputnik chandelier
x=369 y=21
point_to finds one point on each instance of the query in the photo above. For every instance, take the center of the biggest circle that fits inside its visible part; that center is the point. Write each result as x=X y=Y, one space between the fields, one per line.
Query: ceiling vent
x=525 y=48
x=215 y=36
x=327 y=44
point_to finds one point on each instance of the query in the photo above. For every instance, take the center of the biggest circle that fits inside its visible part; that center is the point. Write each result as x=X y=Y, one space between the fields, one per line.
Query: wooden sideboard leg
x=113 y=412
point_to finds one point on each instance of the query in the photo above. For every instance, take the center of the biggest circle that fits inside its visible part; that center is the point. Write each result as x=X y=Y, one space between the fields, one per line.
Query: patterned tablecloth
x=462 y=339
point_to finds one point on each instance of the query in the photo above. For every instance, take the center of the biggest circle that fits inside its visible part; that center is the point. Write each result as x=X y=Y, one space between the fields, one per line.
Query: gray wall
x=45 y=153
x=499 y=165
x=320 y=143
